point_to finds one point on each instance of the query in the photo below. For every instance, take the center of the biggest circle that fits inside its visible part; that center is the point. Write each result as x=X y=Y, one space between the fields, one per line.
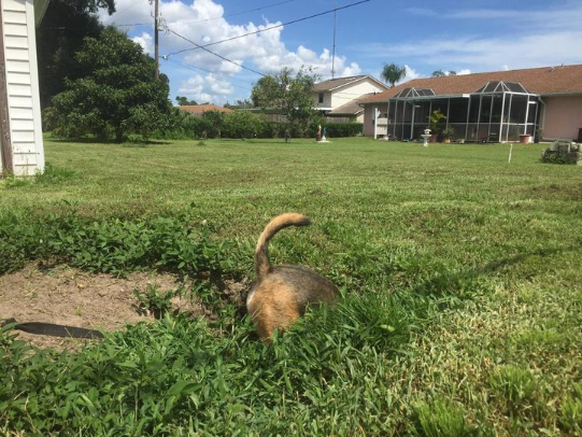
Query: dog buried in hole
x=282 y=293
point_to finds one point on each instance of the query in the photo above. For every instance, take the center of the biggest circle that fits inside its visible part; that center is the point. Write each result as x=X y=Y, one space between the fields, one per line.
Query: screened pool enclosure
x=497 y=112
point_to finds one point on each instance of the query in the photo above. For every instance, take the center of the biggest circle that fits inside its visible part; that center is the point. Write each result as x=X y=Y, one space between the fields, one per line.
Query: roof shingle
x=350 y=108
x=198 y=109
x=545 y=80
x=338 y=82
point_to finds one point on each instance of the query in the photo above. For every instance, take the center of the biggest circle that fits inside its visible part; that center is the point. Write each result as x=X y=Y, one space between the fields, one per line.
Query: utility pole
x=333 y=52
x=156 y=37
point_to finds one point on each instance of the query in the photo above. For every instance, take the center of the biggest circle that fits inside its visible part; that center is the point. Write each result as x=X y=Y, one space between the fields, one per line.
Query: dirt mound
x=69 y=296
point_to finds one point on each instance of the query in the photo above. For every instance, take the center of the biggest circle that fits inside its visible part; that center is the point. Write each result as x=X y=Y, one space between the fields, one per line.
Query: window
x=320 y=97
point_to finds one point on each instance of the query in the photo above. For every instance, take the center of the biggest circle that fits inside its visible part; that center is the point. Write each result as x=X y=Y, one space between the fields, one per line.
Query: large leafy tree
x=290 y=94
x=116 y=94
x=392 y=73
x=60 y=35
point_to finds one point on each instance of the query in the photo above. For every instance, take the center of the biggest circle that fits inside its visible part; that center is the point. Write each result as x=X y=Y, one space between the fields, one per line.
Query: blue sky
x=465 y=36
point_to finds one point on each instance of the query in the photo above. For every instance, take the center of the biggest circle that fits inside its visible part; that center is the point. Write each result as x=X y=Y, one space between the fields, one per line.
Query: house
x=338 y=98
x=545 y=103
x=21 y=147
x=198 y=110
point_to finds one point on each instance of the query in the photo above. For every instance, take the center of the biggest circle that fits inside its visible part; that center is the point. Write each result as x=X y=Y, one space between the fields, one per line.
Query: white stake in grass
x=510 y=150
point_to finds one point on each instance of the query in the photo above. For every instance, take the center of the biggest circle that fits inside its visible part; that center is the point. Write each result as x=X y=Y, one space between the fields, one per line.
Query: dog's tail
x=262 y=261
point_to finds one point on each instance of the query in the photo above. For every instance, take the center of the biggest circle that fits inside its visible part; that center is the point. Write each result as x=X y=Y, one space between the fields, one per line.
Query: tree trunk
x=118 y=135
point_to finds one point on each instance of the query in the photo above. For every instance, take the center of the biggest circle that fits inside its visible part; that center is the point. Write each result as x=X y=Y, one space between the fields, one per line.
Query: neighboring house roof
x=333 y=84
x=199 y=109
x=565 y=79
x=350 y=108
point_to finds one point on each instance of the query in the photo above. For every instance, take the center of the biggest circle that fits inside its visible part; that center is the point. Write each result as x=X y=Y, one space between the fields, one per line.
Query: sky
x=465 y=36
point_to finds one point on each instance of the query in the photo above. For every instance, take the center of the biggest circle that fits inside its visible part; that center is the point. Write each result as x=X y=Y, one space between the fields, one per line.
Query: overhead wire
x=272 y=5
x=165 y=57
x=194 y=21
x=197 y=69
x=244 y=35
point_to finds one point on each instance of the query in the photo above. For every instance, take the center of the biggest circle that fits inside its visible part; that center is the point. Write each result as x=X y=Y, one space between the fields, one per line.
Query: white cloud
x=145 y=41
x=410 y=74
x=532 y=38
x=203 y=21
x=488 y=53
x=558 y=16
x=206 y=89
x=463 y=71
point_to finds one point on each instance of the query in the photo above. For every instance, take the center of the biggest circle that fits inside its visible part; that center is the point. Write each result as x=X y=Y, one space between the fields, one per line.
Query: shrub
x=245 y=124
x=338 y=130
x=111 y=246
x=240 y=124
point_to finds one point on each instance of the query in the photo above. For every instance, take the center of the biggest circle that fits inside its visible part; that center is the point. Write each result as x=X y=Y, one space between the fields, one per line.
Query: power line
x=212 y=53
x=272 y=5
x=128 y=8
x=298 y=20
x=133 y=24
x=197 y=69
x=214 y=18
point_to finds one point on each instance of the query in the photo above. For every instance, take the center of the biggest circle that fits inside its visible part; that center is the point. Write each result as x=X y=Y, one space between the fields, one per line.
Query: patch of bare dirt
x=68 y=296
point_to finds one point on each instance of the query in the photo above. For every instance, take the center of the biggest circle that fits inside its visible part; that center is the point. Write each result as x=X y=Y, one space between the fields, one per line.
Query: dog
x=282 y=293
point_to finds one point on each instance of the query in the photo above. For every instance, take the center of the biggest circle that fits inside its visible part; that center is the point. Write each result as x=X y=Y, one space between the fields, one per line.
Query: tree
x=183 y=101
x=242 y=124
x=59 y=36
x=441 y=73
x=290 y=94
x=214 y=123
x=117 y=93
x=393 y=73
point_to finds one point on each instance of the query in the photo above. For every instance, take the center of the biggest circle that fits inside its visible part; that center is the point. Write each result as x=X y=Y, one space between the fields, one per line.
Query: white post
x=376 y=122
x=395 y=115
x=491 y=116
x=526 y=115
x=479 y=117
x=467 y=125
x=412 y=121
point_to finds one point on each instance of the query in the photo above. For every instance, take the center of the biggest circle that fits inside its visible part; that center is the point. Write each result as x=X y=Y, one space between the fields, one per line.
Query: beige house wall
x=563 y=117
x=336 y=98
x=326 y=100
x=369 y=117
x=348 y=93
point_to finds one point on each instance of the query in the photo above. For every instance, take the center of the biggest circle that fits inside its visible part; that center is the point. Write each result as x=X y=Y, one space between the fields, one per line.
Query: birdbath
x=425 y=136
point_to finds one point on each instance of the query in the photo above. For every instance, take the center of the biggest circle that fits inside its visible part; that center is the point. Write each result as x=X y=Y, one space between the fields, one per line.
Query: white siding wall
x=348 y=93
x=22 y=84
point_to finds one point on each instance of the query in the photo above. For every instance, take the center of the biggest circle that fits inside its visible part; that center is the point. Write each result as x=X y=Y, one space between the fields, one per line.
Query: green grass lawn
x=460 y=272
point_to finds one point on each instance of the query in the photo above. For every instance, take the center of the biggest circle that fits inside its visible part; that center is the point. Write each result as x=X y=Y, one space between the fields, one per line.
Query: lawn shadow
x=465 y=284
x=95 y=141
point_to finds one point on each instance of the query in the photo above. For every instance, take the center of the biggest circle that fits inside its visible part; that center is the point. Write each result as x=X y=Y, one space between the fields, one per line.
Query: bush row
x=244 y=124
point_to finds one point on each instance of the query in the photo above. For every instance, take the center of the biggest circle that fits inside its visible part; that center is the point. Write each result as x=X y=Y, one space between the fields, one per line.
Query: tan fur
x=282 y=293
